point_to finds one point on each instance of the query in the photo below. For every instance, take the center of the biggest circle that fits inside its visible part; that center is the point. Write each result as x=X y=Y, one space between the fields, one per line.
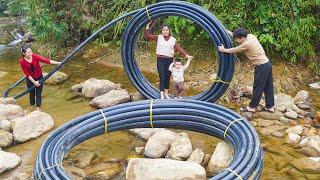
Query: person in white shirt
x=177 y=71
x=166 y=47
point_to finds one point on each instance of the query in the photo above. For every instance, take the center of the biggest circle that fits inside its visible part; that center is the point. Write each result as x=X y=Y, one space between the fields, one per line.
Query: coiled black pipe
x=190 y=11
x=179 y=8
x=189 y=114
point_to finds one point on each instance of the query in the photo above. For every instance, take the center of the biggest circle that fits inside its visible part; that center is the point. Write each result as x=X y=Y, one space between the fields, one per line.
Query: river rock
x=31 y=126
x=293 y=138
x=139 y=150
x=285 y=120
x=103 y=170
x=264 y=123
x=277 y=134
x=307 y=151
x=291 y=114
x=84 y=158
x=76 y=89
x=295 y=129
x=94 y=87
x=2 y=74
x=304 y=107
x=266 y=131
x=6 y=139
x=11 y=111
x=8 y=161
x=316 y=120
x=246 y=115
x=57 y=78
x=284 y=102
x=24 y=176
x=267 y=115
x=145 y=133
x=158 y=145
x=196 y=156
x=307 y=164
x=315 y=85
x=137 y=96
x=221 y=158
x=6 y=125
x=297 y=109
x=302 y=97
x=206 y=160
x=309 y=131
x=74 y=172
x=111 y=98
x=271 y=129
x=312 y=142
x=180 y=148
x=163 y=169
x=9 y=100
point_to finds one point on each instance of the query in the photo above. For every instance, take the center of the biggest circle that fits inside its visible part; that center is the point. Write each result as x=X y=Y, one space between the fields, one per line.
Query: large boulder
x=31 y=126
x=312 y=143
x=57 y=78
x=180 y=148
x=6 y=139
x=158 y=145
x=94 y=87
x=111 y=98
x=145 y=133
x=163 y=169
x=8 y=161
x=11 y=111
x=221 y=158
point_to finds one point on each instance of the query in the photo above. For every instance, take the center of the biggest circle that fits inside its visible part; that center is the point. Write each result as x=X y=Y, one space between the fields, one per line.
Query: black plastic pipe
x=190 y=11
x=186 y=114
x=179 y=8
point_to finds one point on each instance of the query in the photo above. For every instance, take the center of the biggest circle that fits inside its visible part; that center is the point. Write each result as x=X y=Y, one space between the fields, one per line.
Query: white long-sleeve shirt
x=177 y=73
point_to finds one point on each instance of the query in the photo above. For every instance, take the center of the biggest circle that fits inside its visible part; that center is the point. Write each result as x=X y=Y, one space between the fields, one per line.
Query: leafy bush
x=288 y=29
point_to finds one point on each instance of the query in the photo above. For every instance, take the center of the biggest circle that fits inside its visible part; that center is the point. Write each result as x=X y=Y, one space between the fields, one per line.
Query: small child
x=177 y=71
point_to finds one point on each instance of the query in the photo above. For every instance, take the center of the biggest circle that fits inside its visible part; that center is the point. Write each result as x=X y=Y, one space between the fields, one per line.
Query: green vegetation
x=288 y=29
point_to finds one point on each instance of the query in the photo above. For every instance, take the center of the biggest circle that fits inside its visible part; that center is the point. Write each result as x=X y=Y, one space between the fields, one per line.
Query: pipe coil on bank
x=189 y=11
x=140 y=17
x=189 y=114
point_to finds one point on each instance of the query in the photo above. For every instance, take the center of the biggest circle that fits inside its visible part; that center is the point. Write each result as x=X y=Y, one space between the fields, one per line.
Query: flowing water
x=59 y=102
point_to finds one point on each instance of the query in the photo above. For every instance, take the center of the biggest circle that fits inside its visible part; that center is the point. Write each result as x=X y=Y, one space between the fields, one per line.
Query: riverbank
x=105 y=63
x=61 y=104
